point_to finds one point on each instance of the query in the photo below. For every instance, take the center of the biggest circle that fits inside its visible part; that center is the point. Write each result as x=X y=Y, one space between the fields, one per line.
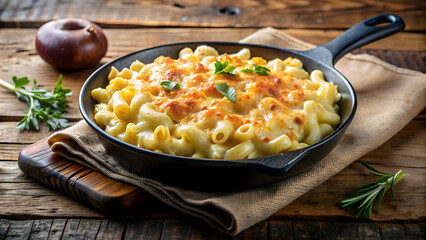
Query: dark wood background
x=29 y=209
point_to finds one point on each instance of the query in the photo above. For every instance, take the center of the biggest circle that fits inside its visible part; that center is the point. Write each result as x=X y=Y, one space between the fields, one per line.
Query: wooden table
x=29 y=209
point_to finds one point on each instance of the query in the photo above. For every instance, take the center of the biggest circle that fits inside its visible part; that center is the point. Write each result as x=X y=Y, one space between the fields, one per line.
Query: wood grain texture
x=88 y=228
x=368 y=231
x=168 y=229
x=57 y=228
x=19 y=43
x=9 y=134
x=4 y=227
x=282 y=230
x=307 y=230
x=314 y=21
x=201 y=230
x=77 y=181
x=40 y=229
x=175 y=229
x=403 y=151
x=10 y=151
x=412 y=231
x=19 y=230
x=35 y=200
x=110 y=230
x=17 y=52
x=258 y=231
x=348 y=230
x=70 y=230
x=212 y=13
x=391 y=231
x=330 y=230
x=144 y=229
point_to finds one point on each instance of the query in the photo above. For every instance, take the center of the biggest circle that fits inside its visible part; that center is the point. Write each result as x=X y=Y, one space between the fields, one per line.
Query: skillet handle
x=357 y=36
x=278 y=165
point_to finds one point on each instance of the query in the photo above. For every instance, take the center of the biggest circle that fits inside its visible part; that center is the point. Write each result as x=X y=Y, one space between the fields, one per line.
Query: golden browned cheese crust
x=286 y=105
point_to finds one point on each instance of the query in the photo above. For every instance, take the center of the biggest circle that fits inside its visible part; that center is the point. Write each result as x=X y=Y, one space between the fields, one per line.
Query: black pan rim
x=255 y=162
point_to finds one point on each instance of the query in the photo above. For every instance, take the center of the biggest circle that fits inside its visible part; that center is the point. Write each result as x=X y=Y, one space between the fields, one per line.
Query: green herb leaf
x=221 y=68
x=364 y=198
x=20 y=82
x=393 y=183
x=259 y=70
x=53 y=120
x=228 y=92
x=379 y=200
x=170 y=85
x=30 y=121
x=42 y=105
x=372 y=168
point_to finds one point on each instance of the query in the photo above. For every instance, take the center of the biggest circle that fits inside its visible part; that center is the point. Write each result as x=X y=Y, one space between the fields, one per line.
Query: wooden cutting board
x=109 y=196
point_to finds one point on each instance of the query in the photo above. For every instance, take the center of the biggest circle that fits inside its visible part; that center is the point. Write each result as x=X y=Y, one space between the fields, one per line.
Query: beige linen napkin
x=389 y=97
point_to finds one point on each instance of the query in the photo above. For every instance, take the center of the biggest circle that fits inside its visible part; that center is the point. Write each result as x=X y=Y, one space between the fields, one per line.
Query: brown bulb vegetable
x=71 y=43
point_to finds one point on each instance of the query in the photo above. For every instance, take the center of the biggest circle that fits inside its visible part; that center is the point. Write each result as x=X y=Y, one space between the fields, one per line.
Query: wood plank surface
x=282 y=230
x=10 y=151
x=20 y=42
x=404 y=151
x=412 y=231
x=57 y=228
x=19 y=230
x=144 y=229
x=392 y=231
x=320 y=201
x=79 y=182
x=306 y=230
x=348 y=230
x=34 y=211
x=17 y=52
x=4 y=228
x=169 y=229
x=325 y=14
x=40 y=229
x=330 y=230
x=110 y=230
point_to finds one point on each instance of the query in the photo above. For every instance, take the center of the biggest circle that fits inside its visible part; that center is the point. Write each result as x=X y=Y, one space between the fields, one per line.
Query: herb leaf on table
x=43 y=105
x=364 y=197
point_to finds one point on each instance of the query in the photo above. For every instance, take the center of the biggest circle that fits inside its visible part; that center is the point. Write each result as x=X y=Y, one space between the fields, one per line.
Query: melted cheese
x=275 y=105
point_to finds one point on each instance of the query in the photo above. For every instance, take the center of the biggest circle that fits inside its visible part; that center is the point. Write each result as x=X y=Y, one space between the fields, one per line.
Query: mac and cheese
x=206 y=105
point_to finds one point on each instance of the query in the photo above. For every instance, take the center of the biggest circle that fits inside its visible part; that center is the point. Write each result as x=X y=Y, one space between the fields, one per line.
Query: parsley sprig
x=168 y=85
x=364 y=198
x=259 y=70
x=221 y=68
x=42 y=105
x=228 y=92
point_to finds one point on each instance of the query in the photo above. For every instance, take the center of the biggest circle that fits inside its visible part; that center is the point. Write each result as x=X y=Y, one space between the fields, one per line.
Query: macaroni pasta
x=175 y=106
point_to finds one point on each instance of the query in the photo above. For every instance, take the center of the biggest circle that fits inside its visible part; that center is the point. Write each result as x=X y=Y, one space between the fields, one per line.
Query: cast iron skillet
x=210 y=174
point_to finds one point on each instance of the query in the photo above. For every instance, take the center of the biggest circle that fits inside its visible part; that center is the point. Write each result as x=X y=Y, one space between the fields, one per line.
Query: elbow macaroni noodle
x=283 y=111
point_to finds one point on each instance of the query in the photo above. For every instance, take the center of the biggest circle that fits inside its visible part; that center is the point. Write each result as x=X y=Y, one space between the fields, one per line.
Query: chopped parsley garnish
x=170 y=85
x=221 y=68
x=259 y=70
x=228 y=92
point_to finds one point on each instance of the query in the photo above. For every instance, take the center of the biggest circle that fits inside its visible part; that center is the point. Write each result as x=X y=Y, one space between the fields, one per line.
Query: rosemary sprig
x=364 y=198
